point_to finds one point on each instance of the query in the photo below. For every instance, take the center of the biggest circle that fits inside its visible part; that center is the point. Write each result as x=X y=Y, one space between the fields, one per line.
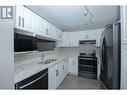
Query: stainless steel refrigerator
x=110 y=57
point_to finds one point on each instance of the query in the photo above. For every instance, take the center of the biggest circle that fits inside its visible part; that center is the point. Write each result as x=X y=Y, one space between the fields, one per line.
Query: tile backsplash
x=26 y=58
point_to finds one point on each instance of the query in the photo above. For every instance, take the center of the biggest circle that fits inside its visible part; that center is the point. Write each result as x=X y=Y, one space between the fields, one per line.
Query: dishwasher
x=36 y=81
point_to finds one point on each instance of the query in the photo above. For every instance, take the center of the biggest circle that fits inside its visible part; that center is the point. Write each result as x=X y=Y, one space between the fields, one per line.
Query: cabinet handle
x=59 y=36
x=22 y=22
x=73 y=63
x=47 y=31
x=19 y=21
x=63 y=67
x=57 y=73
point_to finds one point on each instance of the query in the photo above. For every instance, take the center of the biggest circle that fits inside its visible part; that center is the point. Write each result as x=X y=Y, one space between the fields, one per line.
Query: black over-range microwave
x=24 y=43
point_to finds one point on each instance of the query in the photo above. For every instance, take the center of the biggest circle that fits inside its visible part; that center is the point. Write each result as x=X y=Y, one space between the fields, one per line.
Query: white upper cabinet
x=32 y=23
x=27 y=19
x=52 y=31
x=59 y=34
x=84 y=35
x=123 y=25
x=19 y=11
x=74 y=41
x=35 y=24
x=41 y=26
x=70 y=39
x=47 y=31
x=24 y=18
x=66 y=39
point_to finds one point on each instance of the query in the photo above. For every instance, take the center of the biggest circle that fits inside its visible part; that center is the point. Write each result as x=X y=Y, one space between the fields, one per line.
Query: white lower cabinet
x=52 y=77
x=73 y=66
x=56 y=74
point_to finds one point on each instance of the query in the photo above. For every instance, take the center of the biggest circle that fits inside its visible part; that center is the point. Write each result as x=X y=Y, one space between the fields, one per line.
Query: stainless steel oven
x=87 y=64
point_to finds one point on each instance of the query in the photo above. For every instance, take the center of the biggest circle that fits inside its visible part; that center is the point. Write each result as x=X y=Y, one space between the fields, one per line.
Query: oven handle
x=87 y=58
x=33 y=81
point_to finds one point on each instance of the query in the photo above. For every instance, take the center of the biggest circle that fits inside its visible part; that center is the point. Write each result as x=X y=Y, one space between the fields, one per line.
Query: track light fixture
x=87 y=11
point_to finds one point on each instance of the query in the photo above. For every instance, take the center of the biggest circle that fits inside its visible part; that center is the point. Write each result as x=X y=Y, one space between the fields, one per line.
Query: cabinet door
x=52 y=77
x=53 y=32
x=126 y=24
x=83 y=35
x=35 y=24
x=27 y=19
x=123 y=24
x=124 y=67
x=58 y=74
x=66 y=61
x=63 y=72
x=73 y=66
x=24 y=18
x=47 y=29
x=70 y=39
x=70 y=65
x=74 y=41
x=59 y=37
x=19 y=13
x=66 y=39
x=41 y=26
x=59 y=34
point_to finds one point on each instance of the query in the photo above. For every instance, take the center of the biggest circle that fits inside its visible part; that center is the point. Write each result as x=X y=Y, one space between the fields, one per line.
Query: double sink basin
x=48 y=61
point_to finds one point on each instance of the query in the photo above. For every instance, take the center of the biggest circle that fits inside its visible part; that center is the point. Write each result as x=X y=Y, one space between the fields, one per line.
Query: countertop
x=25 y=70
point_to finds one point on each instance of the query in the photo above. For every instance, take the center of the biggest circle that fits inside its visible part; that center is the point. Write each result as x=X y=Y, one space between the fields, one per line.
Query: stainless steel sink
x=48 y=61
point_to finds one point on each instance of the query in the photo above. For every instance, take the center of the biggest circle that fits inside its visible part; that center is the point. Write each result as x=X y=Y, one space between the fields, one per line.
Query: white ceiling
x=71 y=18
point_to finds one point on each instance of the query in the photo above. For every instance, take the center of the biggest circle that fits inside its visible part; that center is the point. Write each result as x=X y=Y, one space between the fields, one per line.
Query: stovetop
x=86 y=55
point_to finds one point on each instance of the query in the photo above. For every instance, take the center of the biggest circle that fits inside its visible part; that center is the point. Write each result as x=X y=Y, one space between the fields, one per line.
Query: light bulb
x=85 y=13
x=91 y=20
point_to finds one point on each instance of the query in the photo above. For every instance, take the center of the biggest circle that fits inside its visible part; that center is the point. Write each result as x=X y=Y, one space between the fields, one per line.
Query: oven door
x=87 y=67
x=37 y=81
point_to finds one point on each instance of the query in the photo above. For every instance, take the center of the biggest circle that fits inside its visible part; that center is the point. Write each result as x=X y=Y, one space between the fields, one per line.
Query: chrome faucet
x=42 y=57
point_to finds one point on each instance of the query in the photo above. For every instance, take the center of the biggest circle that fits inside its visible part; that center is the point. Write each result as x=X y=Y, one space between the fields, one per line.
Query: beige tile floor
x=74 y=82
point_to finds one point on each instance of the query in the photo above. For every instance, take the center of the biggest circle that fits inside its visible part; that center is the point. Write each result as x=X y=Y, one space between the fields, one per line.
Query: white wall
x=6 y=55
